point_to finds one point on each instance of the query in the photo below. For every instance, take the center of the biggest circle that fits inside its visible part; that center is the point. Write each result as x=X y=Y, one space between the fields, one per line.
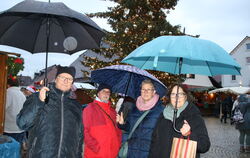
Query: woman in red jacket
x=102 y=137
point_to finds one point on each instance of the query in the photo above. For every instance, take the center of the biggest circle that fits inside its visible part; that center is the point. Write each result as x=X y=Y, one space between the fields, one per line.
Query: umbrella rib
x=71 y=20
x=12 y=24
x=145 y=62
x=40 y=25
x=209 y=68
x=176 y=67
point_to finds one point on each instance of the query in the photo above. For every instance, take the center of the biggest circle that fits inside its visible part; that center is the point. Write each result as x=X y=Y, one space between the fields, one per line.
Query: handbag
x=124 y=148
x=183 y=148
x=237 y=116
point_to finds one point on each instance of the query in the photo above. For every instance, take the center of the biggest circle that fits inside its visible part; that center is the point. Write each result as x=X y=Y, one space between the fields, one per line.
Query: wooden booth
x=3 y=85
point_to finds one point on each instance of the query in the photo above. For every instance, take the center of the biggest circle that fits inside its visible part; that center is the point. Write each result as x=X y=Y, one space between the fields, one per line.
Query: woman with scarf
x=139 y=143
x=189 y=121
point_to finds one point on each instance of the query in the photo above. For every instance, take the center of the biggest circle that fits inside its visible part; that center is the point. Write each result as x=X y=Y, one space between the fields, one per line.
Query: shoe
x=242 y=149
x=247 y=150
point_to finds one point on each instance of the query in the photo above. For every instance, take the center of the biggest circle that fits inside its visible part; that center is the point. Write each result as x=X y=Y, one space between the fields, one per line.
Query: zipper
x=62 y=127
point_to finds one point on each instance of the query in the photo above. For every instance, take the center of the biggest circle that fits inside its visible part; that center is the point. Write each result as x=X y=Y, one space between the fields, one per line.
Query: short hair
x=12 y=82
x=147 y=81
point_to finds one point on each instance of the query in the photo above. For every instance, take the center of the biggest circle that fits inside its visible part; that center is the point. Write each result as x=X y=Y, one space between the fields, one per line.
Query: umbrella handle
x=174 y=121
x=175 y=111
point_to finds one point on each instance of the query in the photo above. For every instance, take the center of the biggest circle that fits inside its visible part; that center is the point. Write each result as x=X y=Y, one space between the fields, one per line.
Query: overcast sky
x=225 y=22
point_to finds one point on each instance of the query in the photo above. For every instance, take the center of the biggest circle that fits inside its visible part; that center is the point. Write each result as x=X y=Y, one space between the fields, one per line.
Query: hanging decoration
x=15 y=65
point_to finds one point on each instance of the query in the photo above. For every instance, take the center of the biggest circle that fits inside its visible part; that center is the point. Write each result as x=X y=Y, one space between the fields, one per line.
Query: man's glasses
x=66 y=79
x=180 y=95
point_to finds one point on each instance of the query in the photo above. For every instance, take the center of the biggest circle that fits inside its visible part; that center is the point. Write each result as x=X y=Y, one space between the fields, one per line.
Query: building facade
x=241 y=53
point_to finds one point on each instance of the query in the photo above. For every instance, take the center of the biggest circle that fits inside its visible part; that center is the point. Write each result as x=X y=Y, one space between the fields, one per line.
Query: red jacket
x=102 y=137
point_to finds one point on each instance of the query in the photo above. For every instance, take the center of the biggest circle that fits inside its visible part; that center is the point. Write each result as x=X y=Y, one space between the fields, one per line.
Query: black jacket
x=55 y=128
x=163 y=134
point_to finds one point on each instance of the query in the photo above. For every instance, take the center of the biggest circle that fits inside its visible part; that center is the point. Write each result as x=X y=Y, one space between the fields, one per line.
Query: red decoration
x=18 y=61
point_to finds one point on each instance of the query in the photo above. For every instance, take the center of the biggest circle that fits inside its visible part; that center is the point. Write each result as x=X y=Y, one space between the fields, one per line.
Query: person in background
x=14 y=103
x=29 y=90
x=102 y=137
x=139 y=144
x=54 y=122
x=226 y=108
x=244 y=128
x=188 y=121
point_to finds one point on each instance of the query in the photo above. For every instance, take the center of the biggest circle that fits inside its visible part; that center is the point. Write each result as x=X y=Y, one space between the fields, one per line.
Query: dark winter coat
x=244 y=105
x=55 y=128
x=139 y=143
x=164 y=133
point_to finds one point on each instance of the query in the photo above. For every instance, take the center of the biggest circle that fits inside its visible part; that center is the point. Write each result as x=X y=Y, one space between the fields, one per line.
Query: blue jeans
x=244 y=137
x=17 y=136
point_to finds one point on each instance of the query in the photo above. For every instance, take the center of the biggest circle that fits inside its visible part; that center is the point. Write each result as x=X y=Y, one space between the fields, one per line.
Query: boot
x=247 y=150
x=242 y=149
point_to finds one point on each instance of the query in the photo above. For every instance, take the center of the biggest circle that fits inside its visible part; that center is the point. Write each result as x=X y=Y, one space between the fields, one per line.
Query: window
x=248 y=60
x=190 y=76
x=248 y=46
x=233 y=77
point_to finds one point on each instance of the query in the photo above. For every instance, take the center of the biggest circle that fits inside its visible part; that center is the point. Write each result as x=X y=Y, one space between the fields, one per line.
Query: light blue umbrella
x=183 y=55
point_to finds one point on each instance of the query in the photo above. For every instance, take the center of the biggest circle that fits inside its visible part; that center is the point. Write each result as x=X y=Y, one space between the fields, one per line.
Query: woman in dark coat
x=244 y=128
x=139 y=143
x=189 y=121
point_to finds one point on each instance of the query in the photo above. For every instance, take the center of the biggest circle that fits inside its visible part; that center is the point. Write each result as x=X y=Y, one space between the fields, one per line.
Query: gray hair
x=147 y=81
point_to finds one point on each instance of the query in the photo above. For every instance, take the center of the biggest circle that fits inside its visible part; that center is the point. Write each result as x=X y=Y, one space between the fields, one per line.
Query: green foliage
x=15 y=65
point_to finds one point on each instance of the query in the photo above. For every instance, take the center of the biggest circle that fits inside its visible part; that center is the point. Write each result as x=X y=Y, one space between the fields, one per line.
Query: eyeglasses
x=180 y=95
x=147 y=90
x=70 y=80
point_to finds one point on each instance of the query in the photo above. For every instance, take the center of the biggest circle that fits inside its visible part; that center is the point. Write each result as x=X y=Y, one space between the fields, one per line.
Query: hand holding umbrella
x=120 y=118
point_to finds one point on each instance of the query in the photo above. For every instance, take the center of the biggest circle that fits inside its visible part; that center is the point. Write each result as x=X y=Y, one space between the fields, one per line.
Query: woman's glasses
x=179 y=95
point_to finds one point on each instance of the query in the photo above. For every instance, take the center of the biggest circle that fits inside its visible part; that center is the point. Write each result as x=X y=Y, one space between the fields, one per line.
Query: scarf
x=142 y=106
x=98 y=99
x=168 y=111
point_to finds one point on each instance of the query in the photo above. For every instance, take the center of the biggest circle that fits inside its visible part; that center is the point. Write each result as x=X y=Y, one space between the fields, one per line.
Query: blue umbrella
x=183 y=55
x=126 y=79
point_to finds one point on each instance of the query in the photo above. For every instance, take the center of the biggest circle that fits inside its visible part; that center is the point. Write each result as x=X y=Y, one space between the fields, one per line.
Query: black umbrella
x=48 y=27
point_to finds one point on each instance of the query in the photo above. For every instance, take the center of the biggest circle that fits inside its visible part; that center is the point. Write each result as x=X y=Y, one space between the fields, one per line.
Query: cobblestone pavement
x=224 y=140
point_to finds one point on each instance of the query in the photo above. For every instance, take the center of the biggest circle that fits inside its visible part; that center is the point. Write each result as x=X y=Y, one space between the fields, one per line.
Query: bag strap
x=186 y=148
x=137 y=123
x=107 y=115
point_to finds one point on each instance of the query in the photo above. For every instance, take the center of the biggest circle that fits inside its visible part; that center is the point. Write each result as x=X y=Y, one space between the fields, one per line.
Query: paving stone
x=224 y=140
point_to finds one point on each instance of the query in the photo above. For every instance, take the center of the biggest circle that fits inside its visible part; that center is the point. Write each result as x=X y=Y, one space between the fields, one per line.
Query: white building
x=241 y=53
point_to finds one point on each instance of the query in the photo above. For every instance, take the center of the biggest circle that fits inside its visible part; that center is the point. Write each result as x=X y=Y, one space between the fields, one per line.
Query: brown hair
x=183 y=87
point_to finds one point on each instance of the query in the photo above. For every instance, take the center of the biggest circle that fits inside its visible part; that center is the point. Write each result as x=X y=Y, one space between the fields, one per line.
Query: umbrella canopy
x=234 y=90
x=26 y=26
x=48 y=27
x=183 y=55
x=126 y=79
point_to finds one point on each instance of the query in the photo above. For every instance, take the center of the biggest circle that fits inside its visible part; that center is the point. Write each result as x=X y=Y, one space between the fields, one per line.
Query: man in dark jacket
x=55 y=125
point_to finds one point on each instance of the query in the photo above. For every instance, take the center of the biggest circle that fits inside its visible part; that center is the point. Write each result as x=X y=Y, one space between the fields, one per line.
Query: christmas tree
x=135 y=22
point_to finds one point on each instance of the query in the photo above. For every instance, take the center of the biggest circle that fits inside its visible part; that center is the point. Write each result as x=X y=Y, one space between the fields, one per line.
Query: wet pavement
x=224 y=140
